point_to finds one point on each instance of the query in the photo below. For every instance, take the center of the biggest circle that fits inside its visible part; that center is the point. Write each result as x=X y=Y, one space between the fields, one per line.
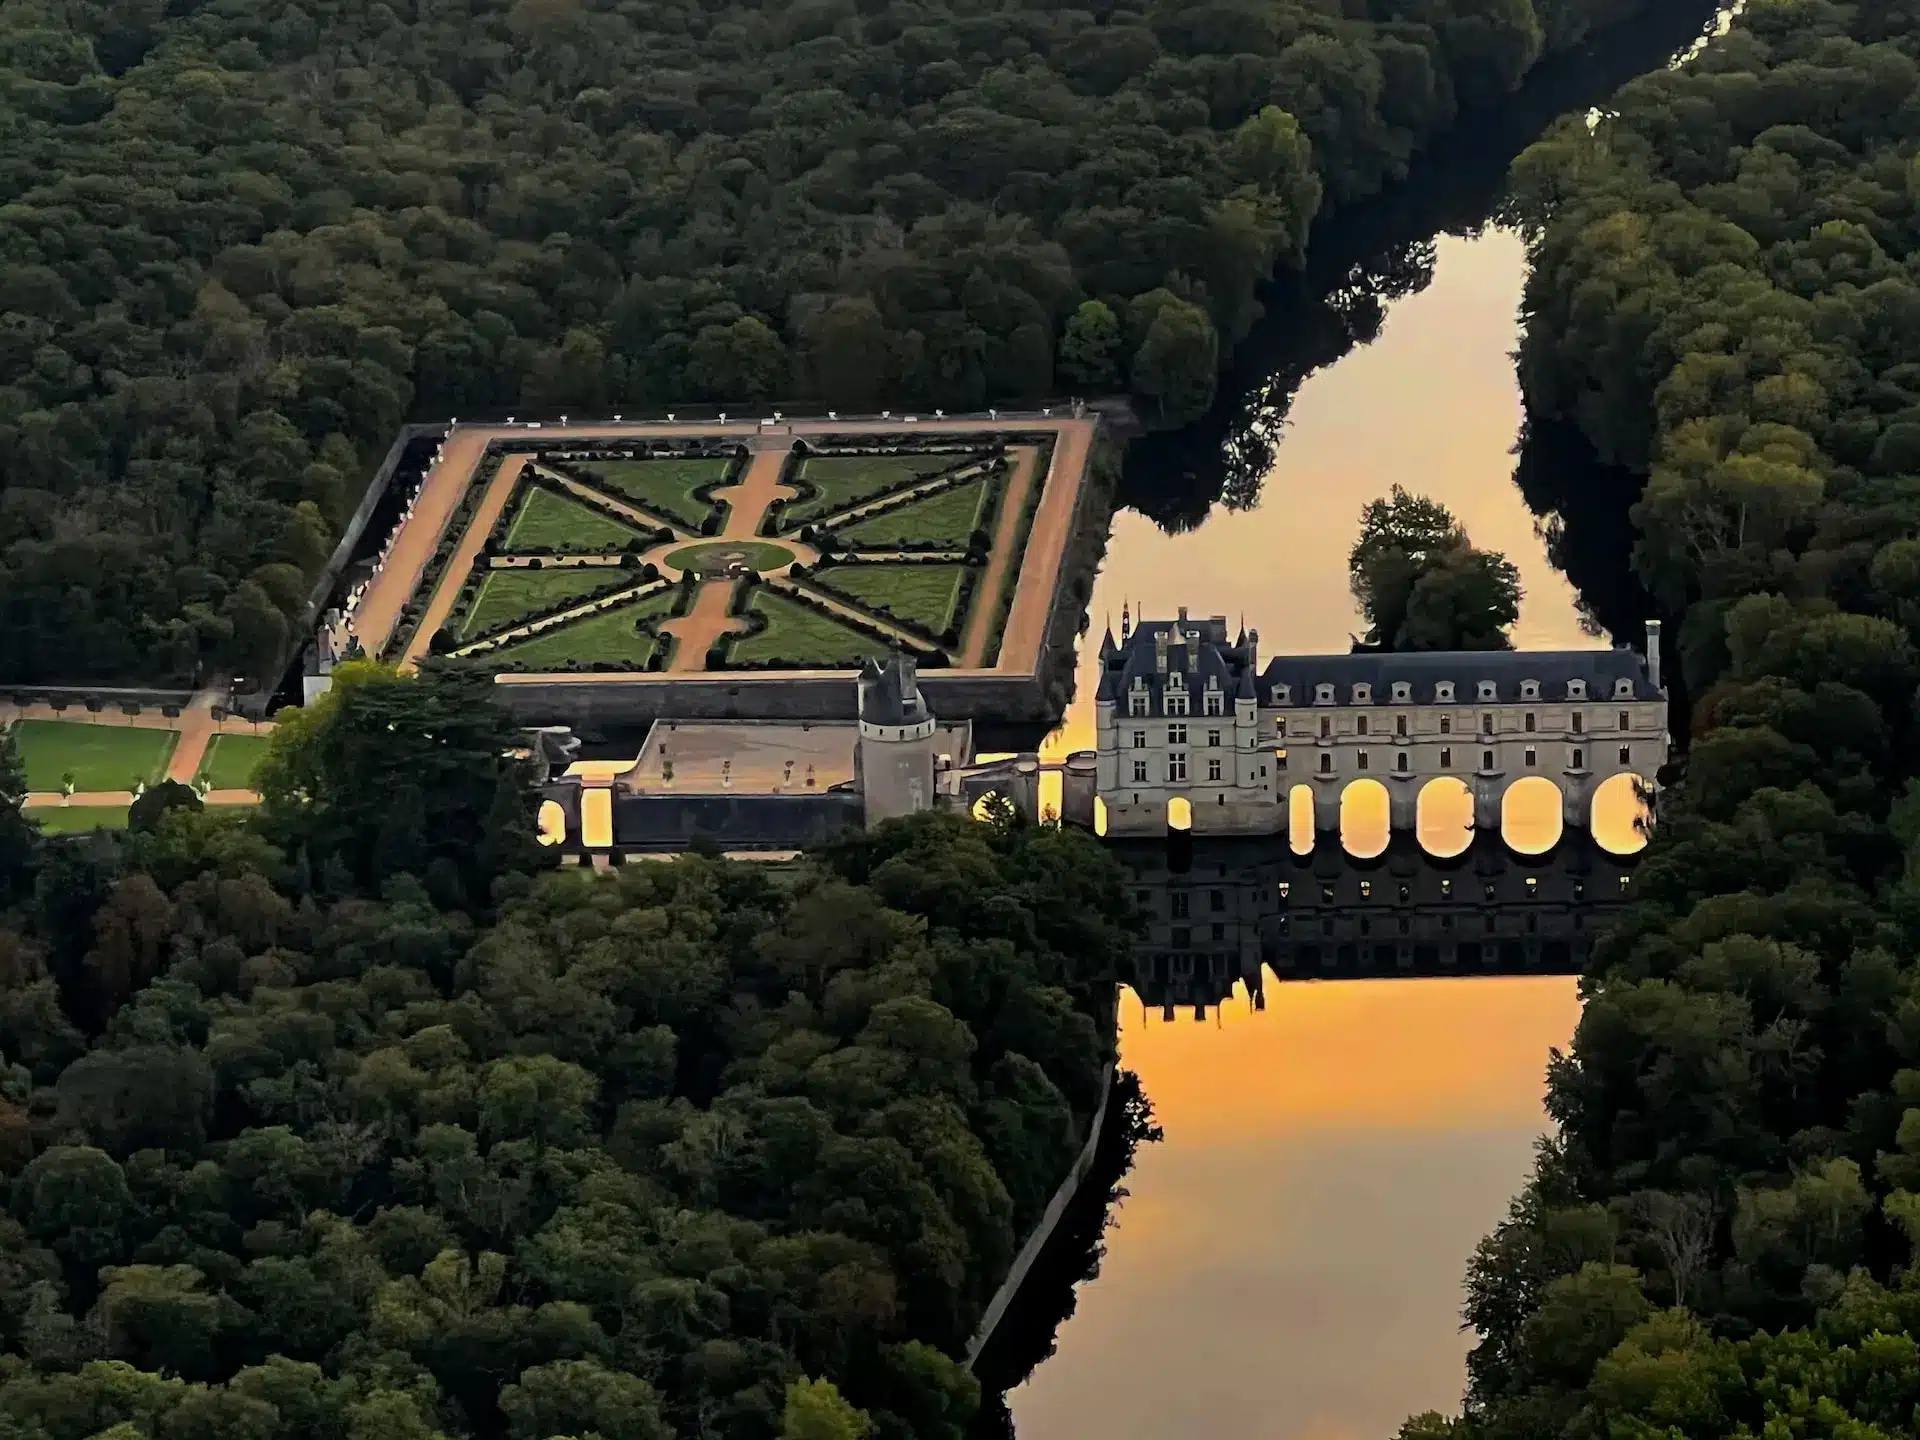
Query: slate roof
x=1196 y=660
x=890 y=694
x=1465 y=668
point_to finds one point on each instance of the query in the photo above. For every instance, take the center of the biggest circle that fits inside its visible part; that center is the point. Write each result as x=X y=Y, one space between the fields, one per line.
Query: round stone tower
x=895 y=756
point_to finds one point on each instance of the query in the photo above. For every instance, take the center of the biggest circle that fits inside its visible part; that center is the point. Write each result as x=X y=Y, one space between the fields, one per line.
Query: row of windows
x=1402 y=765
x=1443 y=692
x=1488 y=724
x=1174 y=702
x=1180 y=903
x=1176 y=735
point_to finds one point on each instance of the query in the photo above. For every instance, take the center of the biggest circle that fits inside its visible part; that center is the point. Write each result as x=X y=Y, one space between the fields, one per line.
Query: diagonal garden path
x=627 y=509
x=530 y=628
x=845 y=609
x=894 y=499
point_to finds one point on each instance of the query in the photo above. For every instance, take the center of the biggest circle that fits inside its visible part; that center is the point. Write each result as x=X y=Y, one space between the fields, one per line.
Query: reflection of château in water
x=1217 y=911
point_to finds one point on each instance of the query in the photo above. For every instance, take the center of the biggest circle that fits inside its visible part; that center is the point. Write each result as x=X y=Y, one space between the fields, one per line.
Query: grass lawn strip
x=664 y=485
x=546 y=521
x=711 y=556
x=919 y=594
x=949 y=517
x=802 y=636
x=231 y=760
x=78 y=819
x=507 y=596
x=843 y=479
x=98 y=756
x=608 y=637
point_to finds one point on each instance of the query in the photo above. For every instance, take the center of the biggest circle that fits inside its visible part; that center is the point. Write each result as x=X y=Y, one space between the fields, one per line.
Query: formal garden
x=814 y=558
x=91 y=755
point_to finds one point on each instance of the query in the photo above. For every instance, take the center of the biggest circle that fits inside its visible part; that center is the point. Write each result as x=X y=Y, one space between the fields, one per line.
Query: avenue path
x=1000 y=572
x=1045 y=553
x=695 y=632
x=492 y=505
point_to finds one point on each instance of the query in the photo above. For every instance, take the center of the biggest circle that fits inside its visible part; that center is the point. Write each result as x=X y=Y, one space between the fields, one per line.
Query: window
x=1279 y=761
x=1486 y=759
x=1623 y=689
x=1626 y=720
x=1487 y=690
x=1137 y=703
x=1362 y=722
x=1402 y=690
x=1529 y=721
x=1326 y=726
x=1323 y=694
x=1139 y=739
x=1176 y=681
x=1400 y=762
x=1281 y=694
x=1626 y=754
x=1216 y=900
x=1176 y=767
x=1443 y=692
x=1139 y=772
x=1486 y=724
x=1213 y=771
x=1579 y=758
x=1399 y=724
x=1363 y=759
x=1529 y=689
x=1214 y=703
x=1219 y=931
x=1181 y=904
x=1176 y=704
x=1326 y=763
x=1579 y=722
x=1213 y=738
x=1176 y=734
x=1446 y=758
x=1446 y=724
x=1363 y=694
x=1576 y=689
x=1532 y=756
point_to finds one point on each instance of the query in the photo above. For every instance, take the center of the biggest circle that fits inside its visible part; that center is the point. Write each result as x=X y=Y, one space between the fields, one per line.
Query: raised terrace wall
x=597 y=701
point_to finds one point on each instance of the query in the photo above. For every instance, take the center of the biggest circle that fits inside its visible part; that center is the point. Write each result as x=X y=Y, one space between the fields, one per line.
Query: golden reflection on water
x=1443 y=817
x=1300 y=834
x=1288 y=1262
x=1618 y=811
x=1365 y=814
x=1532 y=815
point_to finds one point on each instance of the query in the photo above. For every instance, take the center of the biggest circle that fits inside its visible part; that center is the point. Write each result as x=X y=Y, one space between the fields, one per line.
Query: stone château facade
x=1185 y=716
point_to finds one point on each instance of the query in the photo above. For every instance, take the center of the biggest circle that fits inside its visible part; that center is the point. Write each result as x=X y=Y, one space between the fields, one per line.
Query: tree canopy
x=1719 y=1239
x=1420 y=583
x=694 y=1148
x=243 y=243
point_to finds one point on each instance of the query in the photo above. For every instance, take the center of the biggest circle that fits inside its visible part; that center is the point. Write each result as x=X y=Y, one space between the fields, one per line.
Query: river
x=1287 y=1262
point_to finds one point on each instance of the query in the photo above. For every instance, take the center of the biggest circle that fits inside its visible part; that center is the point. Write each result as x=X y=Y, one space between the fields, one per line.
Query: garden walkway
x=894 y=499
x=638 y=514
x=847 y=610
x=696 y=632
x=547 y=622
x=492 y=506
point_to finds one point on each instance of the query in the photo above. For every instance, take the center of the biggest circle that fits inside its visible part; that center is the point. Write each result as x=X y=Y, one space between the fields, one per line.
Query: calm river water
x=1287 y=1263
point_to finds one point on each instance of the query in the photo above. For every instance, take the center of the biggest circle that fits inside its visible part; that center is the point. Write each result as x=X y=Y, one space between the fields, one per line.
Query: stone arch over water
x=1443 y=817
x=1365 y=819
x=1618 y=811
x=1532 y=815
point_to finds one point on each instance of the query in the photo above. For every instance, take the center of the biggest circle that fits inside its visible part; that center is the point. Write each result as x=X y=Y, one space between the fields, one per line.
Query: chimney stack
x=1653 y=652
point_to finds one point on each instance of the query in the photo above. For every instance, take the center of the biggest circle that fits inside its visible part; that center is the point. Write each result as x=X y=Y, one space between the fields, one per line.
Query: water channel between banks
x=1287 y=1263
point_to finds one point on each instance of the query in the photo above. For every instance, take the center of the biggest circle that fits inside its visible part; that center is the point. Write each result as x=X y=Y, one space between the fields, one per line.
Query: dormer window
x=1282 y=695
x=1576 y=689
x=1529 y=689
x=1487 y=690
x=1137 y=697
x=1623 y=689
x=1176 y=681
x=1323 y=694
x=1402 y=690
x=1363 y=694
x=1443 y=692
x=1213 y=682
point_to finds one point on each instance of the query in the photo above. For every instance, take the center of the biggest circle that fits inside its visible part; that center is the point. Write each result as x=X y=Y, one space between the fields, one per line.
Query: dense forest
x=240 y=243
x=1723 y=1237
x=692 y=1149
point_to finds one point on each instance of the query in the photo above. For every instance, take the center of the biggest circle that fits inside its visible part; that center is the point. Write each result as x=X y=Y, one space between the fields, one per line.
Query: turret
x=895 y=755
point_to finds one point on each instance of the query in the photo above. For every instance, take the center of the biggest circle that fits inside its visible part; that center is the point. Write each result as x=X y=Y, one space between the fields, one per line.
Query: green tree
x=815 y=1411
x=1177 y=365
x=1090 y=348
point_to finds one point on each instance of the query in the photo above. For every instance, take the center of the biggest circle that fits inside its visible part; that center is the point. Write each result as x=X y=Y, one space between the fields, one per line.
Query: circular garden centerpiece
x=717 y=558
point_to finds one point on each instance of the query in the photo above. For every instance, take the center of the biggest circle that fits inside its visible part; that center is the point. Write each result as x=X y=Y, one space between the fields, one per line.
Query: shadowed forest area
x=1721 y=1238
x=242 y=243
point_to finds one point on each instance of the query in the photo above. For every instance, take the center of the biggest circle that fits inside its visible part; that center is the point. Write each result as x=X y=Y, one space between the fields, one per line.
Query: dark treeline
x=241 y=243
x=289 y=1151
x=1721 y=1238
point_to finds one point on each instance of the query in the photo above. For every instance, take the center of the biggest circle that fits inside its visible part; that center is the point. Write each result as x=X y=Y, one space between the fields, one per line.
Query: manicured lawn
x=78 y=819
x=553 y=522
x=608 y=636
x=923 y=594
x=802 y=636
x=713 y=556
x=949 y=517
x=509 y=595
x=231 y=759
x=666 y=486
x=844 y=479
x=101 y=756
